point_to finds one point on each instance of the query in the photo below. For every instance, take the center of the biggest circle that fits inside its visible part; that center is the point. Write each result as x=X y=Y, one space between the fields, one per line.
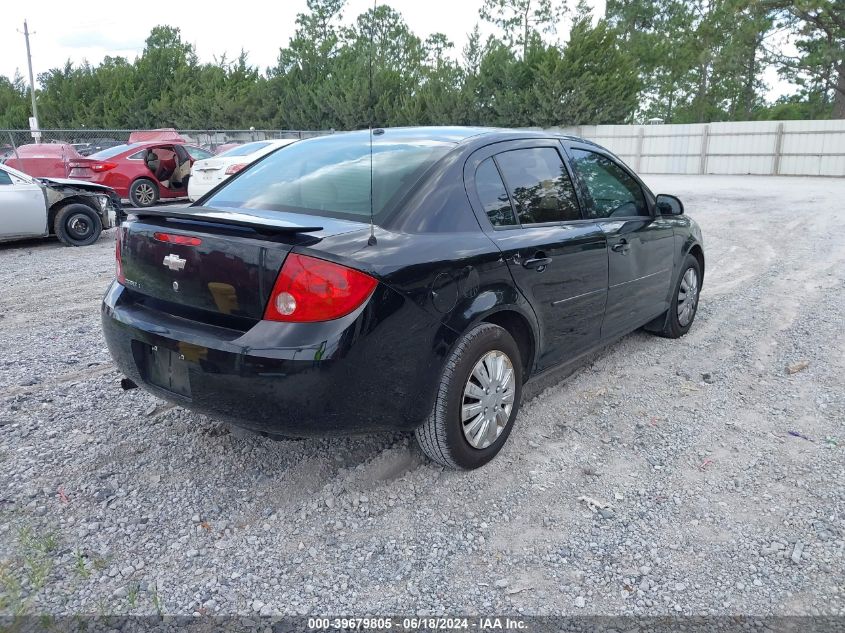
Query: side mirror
x=669 y=205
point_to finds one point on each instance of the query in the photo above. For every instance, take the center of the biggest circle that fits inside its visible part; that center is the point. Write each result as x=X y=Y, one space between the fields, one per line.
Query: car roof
x=43 y=150
x=451 y=134
x=439 y=134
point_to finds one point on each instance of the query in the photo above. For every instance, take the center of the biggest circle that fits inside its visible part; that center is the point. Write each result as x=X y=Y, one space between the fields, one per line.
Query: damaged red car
x=142 y=172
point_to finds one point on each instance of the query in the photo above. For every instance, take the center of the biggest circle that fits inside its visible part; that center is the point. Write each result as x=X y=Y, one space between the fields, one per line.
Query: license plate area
x=166 y=369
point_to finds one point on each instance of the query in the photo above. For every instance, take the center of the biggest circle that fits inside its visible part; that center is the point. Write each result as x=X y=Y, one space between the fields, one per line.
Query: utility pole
x=31 y=79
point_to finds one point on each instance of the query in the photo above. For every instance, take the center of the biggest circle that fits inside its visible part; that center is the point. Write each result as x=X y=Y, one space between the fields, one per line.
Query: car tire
x=445 y=436
x=685 y=295
x=77 y=224
x=143 y=193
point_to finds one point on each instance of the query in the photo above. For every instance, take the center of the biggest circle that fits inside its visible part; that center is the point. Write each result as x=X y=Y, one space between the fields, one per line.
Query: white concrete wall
x=788 y=148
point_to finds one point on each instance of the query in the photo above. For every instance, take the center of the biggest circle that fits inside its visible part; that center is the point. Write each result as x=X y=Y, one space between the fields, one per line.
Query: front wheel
x=77 y=224
x=684 y=304
x=477 y=400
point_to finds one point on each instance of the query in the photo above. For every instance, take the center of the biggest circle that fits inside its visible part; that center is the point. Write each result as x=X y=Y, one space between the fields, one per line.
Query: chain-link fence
x=85 y=142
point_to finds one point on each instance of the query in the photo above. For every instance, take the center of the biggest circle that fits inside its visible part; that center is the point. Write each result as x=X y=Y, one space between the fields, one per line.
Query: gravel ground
x=116 y=502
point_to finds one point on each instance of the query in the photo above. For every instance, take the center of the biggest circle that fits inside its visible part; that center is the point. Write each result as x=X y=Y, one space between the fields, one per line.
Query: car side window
x=493 y=195
x=5 y=179
x=613 y=190
x=539 y=185
x=197 y=153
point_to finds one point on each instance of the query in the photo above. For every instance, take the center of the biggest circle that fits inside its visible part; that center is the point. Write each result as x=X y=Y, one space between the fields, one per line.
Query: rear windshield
x=113 y=151
x=246 y=149
x=330 y=176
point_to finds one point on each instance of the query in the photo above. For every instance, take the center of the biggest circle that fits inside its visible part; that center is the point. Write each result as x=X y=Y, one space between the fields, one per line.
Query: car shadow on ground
x=50 y=241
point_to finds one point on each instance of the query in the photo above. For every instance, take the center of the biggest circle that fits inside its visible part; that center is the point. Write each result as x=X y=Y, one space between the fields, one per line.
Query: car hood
x=82 y=184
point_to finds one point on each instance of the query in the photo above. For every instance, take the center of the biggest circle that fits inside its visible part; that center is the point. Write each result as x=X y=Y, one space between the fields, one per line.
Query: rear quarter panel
x=453 y=281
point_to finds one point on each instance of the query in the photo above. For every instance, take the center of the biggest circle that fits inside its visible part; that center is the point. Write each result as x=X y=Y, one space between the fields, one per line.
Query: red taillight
x=99 y=167
x=172 y=238
x=309 y=289
x=234 y=169
x=118 y=263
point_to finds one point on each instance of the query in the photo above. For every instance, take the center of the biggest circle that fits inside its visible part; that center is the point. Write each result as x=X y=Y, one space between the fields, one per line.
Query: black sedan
x=401 y=279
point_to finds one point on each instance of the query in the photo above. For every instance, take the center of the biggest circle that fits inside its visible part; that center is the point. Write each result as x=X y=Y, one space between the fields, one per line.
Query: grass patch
x=27 y=571
x=132 y=594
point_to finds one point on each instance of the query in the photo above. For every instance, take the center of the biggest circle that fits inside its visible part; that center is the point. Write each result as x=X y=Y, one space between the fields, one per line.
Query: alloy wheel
x=488 y=399
x=687 y=297
x=145 y=194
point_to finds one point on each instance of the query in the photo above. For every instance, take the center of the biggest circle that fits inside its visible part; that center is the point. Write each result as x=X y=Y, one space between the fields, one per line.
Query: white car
x=210 y=172
x=74 y=210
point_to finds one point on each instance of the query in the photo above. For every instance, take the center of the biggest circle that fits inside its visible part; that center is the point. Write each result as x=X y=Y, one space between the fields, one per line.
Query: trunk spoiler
x=261 y=223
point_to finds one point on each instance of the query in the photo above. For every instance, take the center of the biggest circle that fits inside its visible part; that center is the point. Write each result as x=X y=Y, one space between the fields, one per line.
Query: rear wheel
x=477 y=400
x=77 y=224
x=143 y=193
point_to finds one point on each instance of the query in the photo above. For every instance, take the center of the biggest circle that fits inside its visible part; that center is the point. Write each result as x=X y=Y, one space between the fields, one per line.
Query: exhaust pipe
x=127 y=384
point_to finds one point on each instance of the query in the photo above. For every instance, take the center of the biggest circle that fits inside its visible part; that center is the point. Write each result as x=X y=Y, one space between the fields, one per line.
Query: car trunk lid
x=212 y=261
x=210 y=171
x=209 y=164
x=86 y=168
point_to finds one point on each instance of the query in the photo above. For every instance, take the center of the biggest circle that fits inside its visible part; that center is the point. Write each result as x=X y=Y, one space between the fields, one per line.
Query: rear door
x=525 y=201
x=639 y=242
x=23 y=210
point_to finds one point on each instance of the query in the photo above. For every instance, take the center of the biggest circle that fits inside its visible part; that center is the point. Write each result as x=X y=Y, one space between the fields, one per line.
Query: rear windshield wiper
x=264 y=224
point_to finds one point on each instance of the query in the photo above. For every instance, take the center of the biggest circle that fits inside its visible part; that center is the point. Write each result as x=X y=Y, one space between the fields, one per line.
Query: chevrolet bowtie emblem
x=174 y=262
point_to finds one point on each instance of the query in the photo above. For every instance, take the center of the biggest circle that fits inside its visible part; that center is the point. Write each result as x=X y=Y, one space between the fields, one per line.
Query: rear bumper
x=119 y=184
x=365 y=372
x=198 y=190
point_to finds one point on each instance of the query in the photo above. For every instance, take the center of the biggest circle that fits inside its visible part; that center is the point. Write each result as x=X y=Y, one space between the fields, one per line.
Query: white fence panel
x=790 y=148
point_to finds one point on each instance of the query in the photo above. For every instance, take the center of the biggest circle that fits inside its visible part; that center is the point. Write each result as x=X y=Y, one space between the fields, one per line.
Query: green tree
x=14 y=104
x=520 y=19
x=699 y=60
x=818 y=27
x=593 y=81
x=681 y=60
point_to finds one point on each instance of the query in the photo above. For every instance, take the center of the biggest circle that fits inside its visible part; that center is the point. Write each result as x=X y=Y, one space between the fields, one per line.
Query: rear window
x=330 y=176
x=113 y=151
x=245 y=149
x=493 y=195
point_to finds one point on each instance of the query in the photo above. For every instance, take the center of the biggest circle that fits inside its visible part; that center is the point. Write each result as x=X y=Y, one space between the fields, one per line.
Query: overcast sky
x=91 y=30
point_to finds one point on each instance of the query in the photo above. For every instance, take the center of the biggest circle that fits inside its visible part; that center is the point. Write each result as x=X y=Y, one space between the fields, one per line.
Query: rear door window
x=614 y=192
x=5 y=179
x=493 y=195
x=539 y=185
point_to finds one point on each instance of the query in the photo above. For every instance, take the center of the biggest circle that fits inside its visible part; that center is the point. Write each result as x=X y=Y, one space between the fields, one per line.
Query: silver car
x=75 y=211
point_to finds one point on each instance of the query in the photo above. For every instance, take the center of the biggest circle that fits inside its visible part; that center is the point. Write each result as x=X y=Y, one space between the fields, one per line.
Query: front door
x=23 y=210
x=558 y=261
x=640 y=243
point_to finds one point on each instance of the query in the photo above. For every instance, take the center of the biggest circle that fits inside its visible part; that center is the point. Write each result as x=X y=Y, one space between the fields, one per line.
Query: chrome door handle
x=537 y=263
x=621 y=247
